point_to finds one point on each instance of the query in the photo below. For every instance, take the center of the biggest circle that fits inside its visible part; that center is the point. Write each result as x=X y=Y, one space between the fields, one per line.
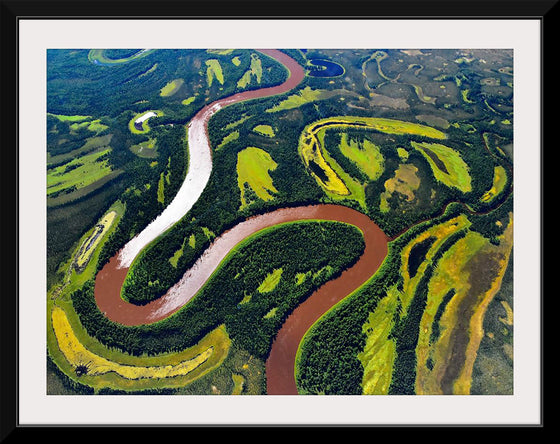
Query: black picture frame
x=13 y=11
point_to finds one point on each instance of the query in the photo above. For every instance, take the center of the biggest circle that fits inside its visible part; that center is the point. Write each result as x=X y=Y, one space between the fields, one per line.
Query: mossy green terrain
x=253 y=73
x=161 y=188
x=219 y=51
x=69 y=118
x=265 y=130
x=404 y=183
x=336 y=182
x=379 y=352
x=82 y=263
x=214 y=71
x=234 y=135
x=454 y=348
x=94 y=126
x=498 y=184
x=90 y=244
x=447 y=165
x=188 y=242
x=122 y=372
x=419 y=141
x=366 y=156
x=171 y=88
x=271 y=281
x=188 y=100
x=253 y=177
x=305 y=95
x=90 y=144
x=78 y=173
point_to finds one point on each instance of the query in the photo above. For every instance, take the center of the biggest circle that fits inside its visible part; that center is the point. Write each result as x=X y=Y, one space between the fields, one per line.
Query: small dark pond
x=325 y=68
x=417 y=255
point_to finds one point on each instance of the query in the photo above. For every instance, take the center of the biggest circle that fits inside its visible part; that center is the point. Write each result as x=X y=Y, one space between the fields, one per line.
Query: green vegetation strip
x=214 y=71
x=69 y=118
x=94 y=126
x=92 y=143
x=79 y=172
x=90 y=244
x=171 y=88
x=255 y=71
x=265 y=130
x=146 y=149
x=270 y=281
x=303 y=96
x=123 y=372
x=498 y=184
x=77 y=272
x=234 y=135
x=447 y=165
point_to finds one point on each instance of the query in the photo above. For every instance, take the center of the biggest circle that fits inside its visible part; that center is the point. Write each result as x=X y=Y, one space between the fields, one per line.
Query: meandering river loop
x=280 y=364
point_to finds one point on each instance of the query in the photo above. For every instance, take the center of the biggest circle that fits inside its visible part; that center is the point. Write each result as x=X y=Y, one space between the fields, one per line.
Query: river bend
x=280 y=365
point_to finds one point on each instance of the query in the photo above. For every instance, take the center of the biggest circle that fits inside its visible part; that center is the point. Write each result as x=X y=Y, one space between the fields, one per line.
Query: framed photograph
x=247 y=214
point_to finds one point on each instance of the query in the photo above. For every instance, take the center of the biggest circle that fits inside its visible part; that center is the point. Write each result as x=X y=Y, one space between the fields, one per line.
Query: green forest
x=410 y=184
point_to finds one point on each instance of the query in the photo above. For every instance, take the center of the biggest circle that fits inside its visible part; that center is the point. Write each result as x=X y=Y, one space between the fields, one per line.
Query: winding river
x=280 y=365
x=200 y=158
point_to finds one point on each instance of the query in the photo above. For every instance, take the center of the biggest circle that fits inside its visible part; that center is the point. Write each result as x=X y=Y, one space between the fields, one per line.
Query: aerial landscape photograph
x=279 y=221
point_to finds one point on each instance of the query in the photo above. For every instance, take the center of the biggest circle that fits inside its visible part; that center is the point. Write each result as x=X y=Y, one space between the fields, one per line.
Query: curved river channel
x=280 y=364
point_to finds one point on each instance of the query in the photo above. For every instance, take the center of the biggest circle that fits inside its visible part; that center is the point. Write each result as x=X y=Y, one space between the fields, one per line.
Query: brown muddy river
x=280 y=365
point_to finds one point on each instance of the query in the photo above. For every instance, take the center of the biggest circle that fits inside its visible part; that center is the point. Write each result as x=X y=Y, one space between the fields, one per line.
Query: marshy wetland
x=253 y=222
